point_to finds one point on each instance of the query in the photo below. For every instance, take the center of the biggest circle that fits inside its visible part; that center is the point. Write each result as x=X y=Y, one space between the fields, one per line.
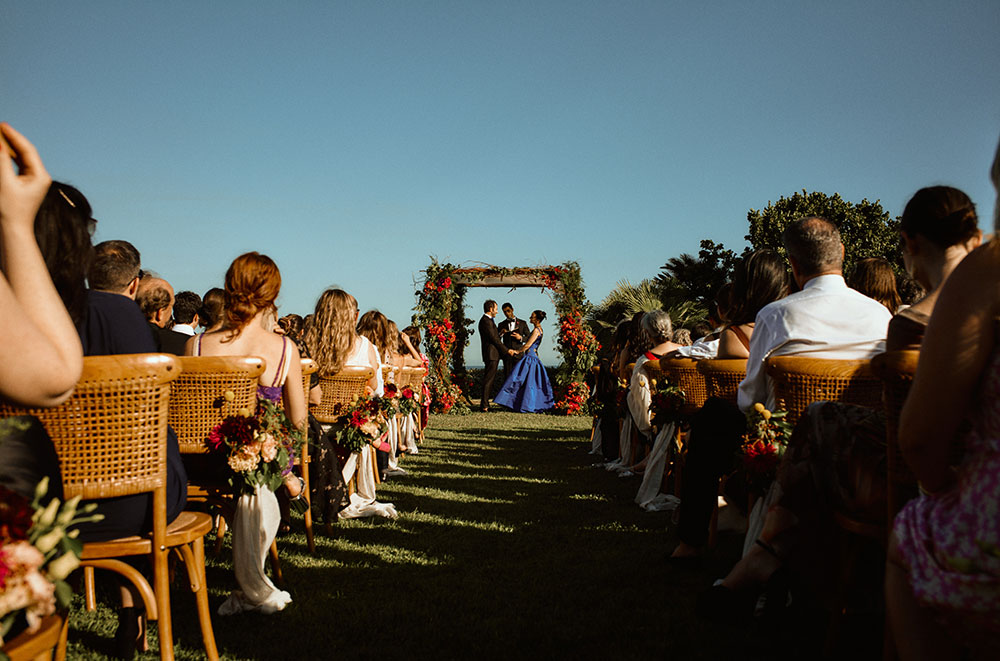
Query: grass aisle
x=508 y=543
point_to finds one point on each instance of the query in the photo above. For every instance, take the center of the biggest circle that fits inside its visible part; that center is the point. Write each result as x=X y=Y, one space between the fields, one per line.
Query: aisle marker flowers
x=259 y=448
x=37 y=552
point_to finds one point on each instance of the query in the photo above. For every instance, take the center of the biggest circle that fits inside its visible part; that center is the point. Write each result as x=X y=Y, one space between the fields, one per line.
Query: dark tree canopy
x=698 y=278
x=865 y=227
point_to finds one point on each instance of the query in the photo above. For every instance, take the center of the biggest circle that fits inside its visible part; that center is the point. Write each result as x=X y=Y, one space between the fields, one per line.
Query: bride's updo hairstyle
x=331 y=334
x=943 y=215
x=252 y=285
x=539 y=315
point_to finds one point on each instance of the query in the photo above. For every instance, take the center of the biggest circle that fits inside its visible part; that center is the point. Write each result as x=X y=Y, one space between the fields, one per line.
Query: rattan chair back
x=896 y=370
x=341 y=388
x=683 y=373
x=199 y=399
x=800 y=380
x=309 y=368
x=723 y=376
x=412 y=377
x=111 y=435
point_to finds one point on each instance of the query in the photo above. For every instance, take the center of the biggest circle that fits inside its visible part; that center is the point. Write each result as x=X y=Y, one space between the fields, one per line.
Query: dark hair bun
x=539 y=315
x=944 y=215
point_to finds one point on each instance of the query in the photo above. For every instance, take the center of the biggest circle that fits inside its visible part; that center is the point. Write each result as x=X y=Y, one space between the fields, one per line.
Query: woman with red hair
x=252 y=285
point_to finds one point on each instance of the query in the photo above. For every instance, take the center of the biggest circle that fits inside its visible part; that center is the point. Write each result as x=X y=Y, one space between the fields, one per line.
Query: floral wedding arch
x=440 y=310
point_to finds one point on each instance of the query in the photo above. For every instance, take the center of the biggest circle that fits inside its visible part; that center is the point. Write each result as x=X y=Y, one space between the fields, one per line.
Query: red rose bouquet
x=360 y=422
x=260 y=449
x=763 y=445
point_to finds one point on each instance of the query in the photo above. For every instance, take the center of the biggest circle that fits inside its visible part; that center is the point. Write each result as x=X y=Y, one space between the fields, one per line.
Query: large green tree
x=865 y=227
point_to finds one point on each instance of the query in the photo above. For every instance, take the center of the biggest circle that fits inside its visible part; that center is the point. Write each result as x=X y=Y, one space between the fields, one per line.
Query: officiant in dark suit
x=493 y=348
x=513 y=332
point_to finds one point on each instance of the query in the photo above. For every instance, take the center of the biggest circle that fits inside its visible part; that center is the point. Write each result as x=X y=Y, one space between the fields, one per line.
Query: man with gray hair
x=826 y=319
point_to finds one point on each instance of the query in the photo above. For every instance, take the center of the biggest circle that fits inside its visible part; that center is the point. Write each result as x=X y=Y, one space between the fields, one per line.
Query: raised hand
x=22 y=192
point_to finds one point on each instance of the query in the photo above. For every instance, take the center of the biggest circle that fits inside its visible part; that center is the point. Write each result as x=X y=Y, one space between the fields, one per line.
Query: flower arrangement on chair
x=763 y=445
x=260 y=449
x=361 y=422
x=666 y=403
x=38 y=550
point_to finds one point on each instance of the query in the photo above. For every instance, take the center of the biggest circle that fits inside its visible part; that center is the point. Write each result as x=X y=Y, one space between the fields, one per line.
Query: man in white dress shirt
x=826 y=319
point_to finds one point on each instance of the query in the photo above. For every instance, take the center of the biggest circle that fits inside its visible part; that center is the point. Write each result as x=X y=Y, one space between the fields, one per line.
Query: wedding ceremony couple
x=526 y=387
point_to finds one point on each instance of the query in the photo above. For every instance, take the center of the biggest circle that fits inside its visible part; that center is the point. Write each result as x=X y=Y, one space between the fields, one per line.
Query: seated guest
x=210 y=316
x=334 y=343
x=657 y=328
x=938 y=229
x=115 y=268
x=40 y=358
x=252 y=285
x=943 y=567
x=875 y=278
x=706 y=344
x=155 y=297
x=825 y=319
x=186 y=307
x=110 y=323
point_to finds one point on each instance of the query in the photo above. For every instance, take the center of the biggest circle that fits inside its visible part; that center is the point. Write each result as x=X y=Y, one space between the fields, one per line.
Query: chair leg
x=220 y=535
x=194 y=560
x=308 y=516
x=279 y=578
x=162 y=588
x=60 y=654
x=89 y=593
x=850 y=550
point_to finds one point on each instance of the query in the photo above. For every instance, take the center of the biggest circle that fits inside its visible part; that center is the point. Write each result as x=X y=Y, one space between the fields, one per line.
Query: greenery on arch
x=440 y=310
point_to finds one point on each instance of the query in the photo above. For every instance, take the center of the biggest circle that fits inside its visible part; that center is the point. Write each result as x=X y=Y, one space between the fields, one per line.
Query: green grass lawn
x=508 y=544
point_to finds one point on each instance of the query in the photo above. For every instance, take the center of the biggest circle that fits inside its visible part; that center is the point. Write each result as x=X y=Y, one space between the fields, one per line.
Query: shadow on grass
x=507 y=545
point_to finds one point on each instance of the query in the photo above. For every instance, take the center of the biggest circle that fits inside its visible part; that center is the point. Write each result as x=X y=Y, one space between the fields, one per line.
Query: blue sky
x=353 y=140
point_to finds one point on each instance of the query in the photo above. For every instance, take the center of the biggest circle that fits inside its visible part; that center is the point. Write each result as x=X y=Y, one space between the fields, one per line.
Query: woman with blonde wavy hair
x=334 y=343
x=252 y=285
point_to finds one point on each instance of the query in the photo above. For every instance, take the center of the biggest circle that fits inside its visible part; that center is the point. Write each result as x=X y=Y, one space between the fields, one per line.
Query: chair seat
x=186 y=528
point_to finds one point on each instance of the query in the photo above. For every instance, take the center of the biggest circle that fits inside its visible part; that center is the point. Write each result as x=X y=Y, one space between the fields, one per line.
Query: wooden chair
x=198 y=402
x=39 y=646
x=111 y=438
x=341 y=388
x=683 y=373
x=722 y=377
x=414 y=378
x=896 y=370
x=799 y=381
x=309 y=367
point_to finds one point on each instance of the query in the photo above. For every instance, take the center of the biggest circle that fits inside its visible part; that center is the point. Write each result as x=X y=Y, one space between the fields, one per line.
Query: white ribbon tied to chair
x=649 y=497
x=625 y=445
x=254 y=526
x=363 y=501
x=408 y=433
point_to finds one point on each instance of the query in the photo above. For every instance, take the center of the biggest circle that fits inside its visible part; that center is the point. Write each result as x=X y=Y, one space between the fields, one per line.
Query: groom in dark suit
x=493 y=348
x=513 y=332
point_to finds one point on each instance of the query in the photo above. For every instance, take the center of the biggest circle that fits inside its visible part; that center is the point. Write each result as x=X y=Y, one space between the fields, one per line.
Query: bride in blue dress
x=527 y=388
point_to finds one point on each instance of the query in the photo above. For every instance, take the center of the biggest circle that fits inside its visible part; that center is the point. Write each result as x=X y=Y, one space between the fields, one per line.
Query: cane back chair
x=309 y=367
x=111 y=439
x=723 y=376
x=341 y=388
x=801 y=380
x=683 y=373
x=200 y=400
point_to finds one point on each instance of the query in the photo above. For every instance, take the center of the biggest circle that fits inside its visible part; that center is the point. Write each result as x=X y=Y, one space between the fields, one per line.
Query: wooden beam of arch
x=482 y=277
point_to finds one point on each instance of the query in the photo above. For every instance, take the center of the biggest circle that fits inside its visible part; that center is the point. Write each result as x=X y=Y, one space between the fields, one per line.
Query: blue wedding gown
x=527 y=388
